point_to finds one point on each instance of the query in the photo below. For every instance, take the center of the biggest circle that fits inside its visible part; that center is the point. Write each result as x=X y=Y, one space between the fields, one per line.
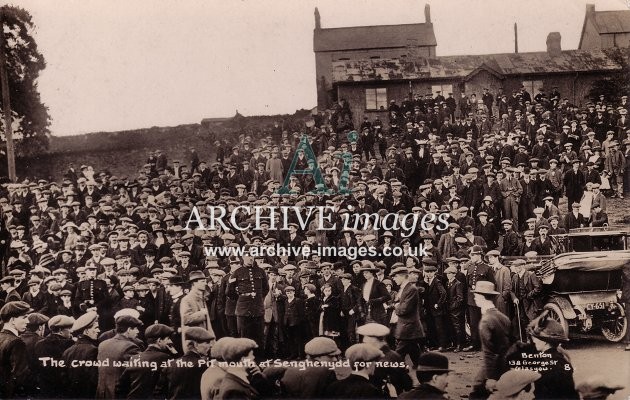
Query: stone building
x=605 y=29
x=366 y=42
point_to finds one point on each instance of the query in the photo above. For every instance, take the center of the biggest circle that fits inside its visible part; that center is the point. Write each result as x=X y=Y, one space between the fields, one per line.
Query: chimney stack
x=427 y=14
x=590 y=9
x=515 y=38
x=318 y=21
x=553 y=44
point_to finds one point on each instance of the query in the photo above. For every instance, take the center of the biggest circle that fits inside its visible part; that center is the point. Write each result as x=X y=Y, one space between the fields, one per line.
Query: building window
x=375 y=57
x=445 y=89
x=532 y=86
x=376 y=99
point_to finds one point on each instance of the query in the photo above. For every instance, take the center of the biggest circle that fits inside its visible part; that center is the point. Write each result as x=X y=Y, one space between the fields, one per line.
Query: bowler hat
x=433 y=362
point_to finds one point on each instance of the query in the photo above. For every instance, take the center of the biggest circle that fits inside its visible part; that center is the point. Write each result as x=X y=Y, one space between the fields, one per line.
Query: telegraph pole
x=6 y=103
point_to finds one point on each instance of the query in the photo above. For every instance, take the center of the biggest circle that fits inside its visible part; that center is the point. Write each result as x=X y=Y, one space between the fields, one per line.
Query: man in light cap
x=362 y=358
x=503 y=282
x=15 y=371
x=140 y=382
x=515 y=384
x=120 y=348
x=432 y=373
x=82 y=380
x=311 y=382
x=408 y=331
x=193 y=308
x=387 y=378
x=183 y=382
x=49 y=377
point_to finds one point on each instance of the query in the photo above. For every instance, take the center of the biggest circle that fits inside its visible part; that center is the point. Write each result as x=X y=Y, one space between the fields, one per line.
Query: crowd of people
x=99 y=269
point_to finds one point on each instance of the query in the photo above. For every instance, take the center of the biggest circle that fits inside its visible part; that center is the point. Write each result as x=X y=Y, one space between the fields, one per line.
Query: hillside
x=124 y=152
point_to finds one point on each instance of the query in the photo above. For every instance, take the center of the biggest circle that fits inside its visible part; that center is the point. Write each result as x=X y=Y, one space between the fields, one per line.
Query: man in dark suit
x=495 y=335
x=408 y=329
x=140 y=382
x=15 y=372
x=183 y=382
x=477 y=271
x=49 y=377
x=455 y=311
x=350 y=310
x=82 y=380
x=434 y=303
x=374 y=295
x=119 y=348
x=249 y=285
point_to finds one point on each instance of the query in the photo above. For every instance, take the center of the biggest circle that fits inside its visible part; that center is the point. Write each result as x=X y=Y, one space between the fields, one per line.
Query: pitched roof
x=463 y=66
x=612 y=21
x=374 y=37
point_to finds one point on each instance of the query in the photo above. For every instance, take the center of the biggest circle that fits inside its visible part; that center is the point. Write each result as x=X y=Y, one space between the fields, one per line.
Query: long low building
x=370 y=84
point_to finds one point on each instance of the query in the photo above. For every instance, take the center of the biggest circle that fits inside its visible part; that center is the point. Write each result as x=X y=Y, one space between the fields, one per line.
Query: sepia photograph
x=315 y=199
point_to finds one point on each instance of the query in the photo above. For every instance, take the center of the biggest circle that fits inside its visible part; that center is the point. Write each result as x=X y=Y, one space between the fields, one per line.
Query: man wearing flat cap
x=33 y=334
x=183 y=383
x=362 y=358
x=82 y=380
x=384 y=377
x=193 y=309
x=119 y=348
x=50 y=378
x=515 y=384
x=15 y=372
x=311 y=382
x=140 y=382
x=432 y=373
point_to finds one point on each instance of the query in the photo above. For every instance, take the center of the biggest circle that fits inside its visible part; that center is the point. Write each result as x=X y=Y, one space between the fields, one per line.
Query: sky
x=119 y=64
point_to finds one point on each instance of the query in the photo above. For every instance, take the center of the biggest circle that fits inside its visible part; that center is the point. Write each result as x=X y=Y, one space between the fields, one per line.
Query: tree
x=616 y=84
x=31 y=120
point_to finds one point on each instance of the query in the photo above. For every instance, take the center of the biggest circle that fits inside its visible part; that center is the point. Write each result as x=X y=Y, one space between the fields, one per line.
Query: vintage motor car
x=583 y=290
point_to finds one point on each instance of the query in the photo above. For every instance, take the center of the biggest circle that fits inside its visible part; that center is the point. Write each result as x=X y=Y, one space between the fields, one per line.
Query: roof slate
x=462 y=66
x=612 y=21
x=374 y=37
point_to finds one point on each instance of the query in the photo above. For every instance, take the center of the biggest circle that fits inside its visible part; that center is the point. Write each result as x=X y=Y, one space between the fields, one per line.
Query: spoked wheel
x=556 y=313
x=614 y=329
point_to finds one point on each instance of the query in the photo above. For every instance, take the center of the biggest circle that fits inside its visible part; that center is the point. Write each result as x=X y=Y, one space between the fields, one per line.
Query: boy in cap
x=82 y=380
x=16 y=374
x=455 y=310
